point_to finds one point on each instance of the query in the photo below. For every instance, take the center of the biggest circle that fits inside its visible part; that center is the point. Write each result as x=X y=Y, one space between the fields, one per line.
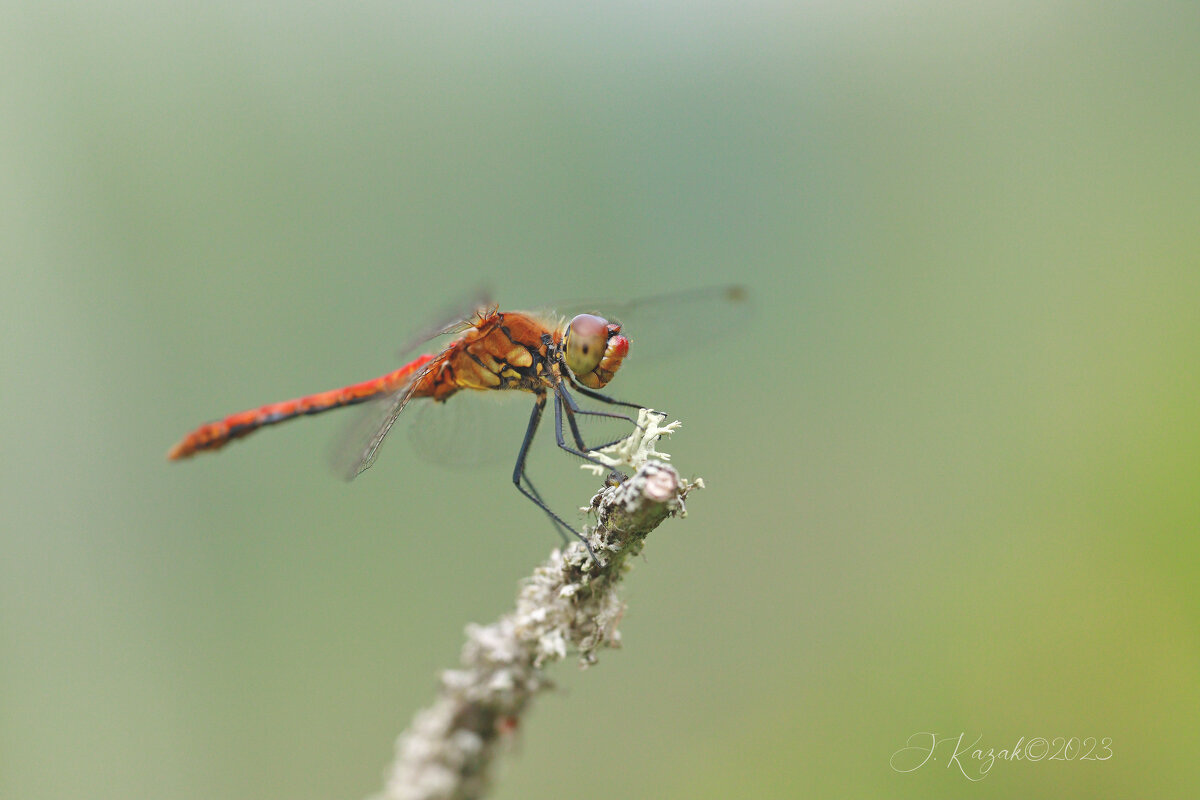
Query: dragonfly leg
x=562 y=400
x=520 y=479
x=564 y=533
x=575 y=406
x=571 y=408
x=603 y=398
x=559 y=405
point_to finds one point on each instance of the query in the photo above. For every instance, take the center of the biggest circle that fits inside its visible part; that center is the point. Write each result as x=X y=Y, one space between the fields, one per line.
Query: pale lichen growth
x=639 y=448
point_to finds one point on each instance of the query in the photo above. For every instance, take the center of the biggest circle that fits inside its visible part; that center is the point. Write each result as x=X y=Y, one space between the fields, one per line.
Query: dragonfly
x=493 y=350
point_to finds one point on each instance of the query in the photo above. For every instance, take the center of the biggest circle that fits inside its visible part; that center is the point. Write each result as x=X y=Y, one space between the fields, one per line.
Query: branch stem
x=569 y=604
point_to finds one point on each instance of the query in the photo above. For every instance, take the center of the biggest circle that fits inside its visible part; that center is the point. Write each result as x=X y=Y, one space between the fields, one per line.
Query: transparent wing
x=359 y=445
x=482 y=429
x=455 y=317
x=470 y=430
x=357 y=448
x=674 y=324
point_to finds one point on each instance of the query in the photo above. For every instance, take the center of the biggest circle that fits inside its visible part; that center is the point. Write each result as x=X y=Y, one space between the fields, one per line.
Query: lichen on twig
x=569 y=604
x=638 y=448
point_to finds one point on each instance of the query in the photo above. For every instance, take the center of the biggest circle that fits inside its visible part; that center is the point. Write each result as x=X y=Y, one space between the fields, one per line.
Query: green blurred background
x=954 y=461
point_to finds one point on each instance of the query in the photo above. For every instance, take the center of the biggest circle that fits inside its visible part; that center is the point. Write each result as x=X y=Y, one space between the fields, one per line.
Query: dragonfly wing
x=470 y=430
x=674 y=324
x=372 y=449
x=454 y=318
x=358 y=447
x=465 y=432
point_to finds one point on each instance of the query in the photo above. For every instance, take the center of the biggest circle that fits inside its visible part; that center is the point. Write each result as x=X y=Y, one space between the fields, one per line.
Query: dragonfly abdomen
x=215 y=435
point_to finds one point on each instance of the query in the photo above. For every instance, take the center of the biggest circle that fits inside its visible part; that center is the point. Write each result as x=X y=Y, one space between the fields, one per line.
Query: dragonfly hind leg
x=564 y=532
x=521 y=481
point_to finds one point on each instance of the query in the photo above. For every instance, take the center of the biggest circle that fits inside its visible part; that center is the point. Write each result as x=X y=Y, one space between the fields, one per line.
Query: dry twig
x=569 y=604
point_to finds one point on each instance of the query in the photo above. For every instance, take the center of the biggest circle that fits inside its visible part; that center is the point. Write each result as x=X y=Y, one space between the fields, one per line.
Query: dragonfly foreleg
x=559 y=407
x=603 y=398
x=562 y=401
x=571 y=408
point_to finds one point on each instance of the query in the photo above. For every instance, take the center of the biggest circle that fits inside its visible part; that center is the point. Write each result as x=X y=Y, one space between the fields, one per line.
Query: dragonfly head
x=593 y=348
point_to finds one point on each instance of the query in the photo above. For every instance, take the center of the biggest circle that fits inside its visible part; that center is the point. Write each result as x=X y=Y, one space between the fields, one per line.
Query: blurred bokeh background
x=954 y=459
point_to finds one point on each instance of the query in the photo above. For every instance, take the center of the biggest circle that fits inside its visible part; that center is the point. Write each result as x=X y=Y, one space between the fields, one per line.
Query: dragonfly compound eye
x=593 y=348
x=586 y=340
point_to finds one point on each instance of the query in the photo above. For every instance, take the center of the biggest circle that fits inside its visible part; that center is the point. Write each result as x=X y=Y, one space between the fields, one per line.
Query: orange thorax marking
x=494 y=354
